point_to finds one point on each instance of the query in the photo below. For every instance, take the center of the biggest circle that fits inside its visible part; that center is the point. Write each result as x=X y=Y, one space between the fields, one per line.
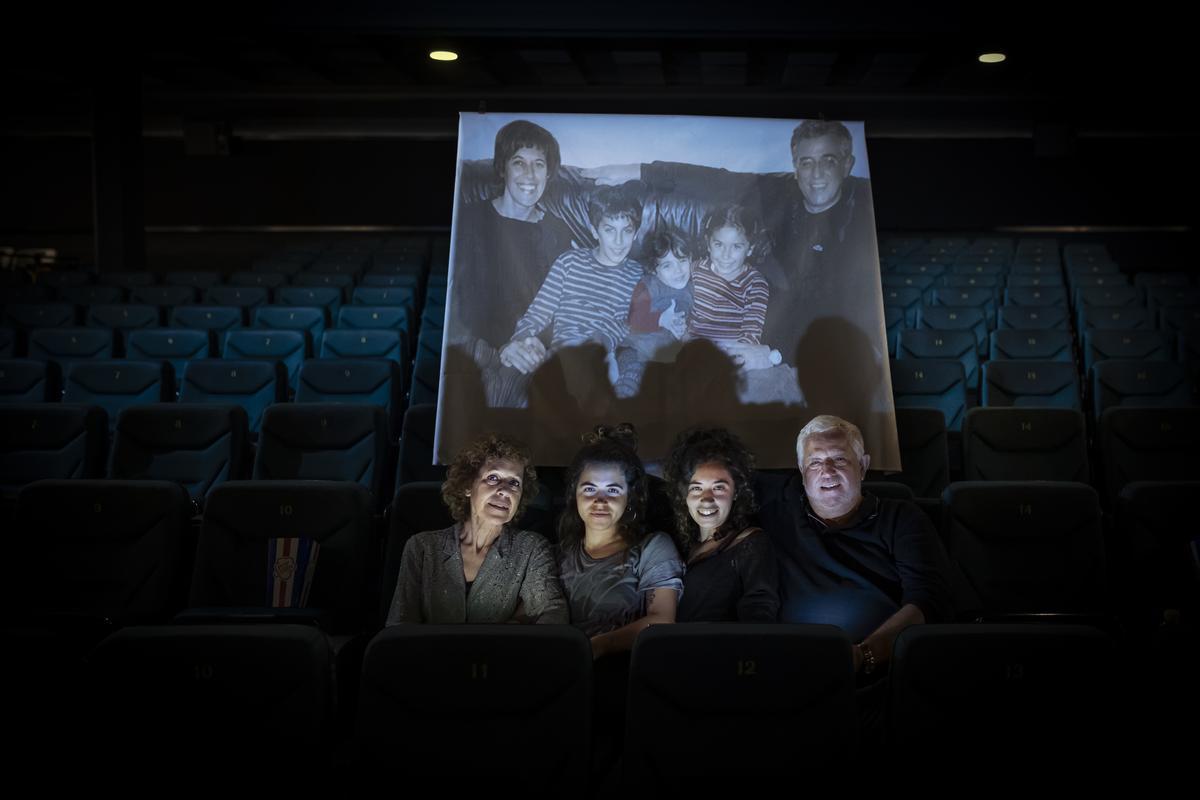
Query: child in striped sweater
x=585 y=297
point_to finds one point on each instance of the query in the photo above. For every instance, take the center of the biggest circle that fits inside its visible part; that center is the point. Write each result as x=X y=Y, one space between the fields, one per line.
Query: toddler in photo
x=659 y=310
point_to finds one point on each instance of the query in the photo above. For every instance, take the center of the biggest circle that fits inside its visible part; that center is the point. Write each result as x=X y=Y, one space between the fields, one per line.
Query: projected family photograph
x=664 y=271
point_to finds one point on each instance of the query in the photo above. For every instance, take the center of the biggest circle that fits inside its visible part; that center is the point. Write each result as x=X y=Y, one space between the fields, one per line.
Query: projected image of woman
x=506 y=243
x=482 y=568
x=731 y=570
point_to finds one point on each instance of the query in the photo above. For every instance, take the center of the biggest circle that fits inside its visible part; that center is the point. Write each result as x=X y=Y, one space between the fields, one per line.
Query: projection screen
x=666 y=271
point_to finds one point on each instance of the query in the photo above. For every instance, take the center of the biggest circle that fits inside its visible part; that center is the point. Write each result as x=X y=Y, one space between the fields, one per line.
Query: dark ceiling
x=274 y=70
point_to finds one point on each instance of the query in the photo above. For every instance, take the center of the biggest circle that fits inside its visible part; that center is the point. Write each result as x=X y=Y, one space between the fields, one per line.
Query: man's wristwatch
x=868 y=659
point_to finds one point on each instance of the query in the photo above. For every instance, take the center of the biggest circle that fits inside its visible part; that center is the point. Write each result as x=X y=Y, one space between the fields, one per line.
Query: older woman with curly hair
x=482 y=568
x=731 y=570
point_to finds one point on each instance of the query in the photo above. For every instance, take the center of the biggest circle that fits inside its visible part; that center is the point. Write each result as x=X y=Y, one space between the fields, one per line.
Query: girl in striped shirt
x=730 y=295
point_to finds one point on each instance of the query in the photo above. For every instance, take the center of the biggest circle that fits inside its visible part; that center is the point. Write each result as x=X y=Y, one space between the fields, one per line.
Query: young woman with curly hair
x=619 y=579
x=731 y=570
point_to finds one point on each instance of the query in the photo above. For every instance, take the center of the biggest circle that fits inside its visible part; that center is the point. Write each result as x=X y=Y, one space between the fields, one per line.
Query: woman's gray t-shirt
x=608 y=593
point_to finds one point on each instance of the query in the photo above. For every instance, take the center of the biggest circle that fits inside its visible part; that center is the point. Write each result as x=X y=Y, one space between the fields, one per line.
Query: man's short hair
x=614 y=202
x=826 y=424
x=816 y=128
x=523 y=133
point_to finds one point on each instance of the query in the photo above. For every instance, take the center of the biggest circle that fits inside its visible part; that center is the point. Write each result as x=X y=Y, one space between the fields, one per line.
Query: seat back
x=1031 y=383
x=265 y=280
x=253 y=385
x=100 y=549
x=185 y=693
x=176 y=346
x=324 y=441
x=1013 y=691
x=923 y=450
x=787 y=689
x=66 y=346
x=1137 y=345
x=308 y=319
x=907 y=298
x=385 y=296
x=952 y=318
x=114 y=385
x=197 y=279
x=128 y=280
x=1118 y=382
x=1039 y=345
x=169 y=296
x=942 y=345
x=91 y=295
x=236 y=296
x=288 y=545
x=1121 y=318
x=416 y=446
x=286 y=347
x=1027 y=547
x=959 y=297
x=931 y=383
x=208 y=318
x=374 y=317
x=357 y=381
x=342 y=281
x=1025 y=444
x=364 y=343
x=1034 y=318
x=538 y=699
x=27 y=316
x=197 y=446
x=1038 y=296
x=1148 y=444
x=50 y=441
x=122 y=316
x=1162 y=575
x=25 y=381
x=326 y=298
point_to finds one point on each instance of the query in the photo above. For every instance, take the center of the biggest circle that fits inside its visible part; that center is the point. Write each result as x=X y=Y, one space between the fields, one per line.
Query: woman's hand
x=524 y=355
x=612 y=174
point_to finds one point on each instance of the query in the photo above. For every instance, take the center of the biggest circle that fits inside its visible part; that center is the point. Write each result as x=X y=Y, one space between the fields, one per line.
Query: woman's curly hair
x=607 y=445
x=698 y=446
x=463 y=473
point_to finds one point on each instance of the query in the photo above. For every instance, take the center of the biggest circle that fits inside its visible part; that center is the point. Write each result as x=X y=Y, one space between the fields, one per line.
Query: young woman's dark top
x=738 y=582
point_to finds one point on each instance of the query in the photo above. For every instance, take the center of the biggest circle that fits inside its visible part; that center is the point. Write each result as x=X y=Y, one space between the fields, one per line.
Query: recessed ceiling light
x=443 y=55
x=992 y=58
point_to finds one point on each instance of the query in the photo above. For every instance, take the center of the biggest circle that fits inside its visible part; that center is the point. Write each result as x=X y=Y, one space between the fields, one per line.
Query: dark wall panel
x=374 y=182
x=46 y=185
x=920 y=184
